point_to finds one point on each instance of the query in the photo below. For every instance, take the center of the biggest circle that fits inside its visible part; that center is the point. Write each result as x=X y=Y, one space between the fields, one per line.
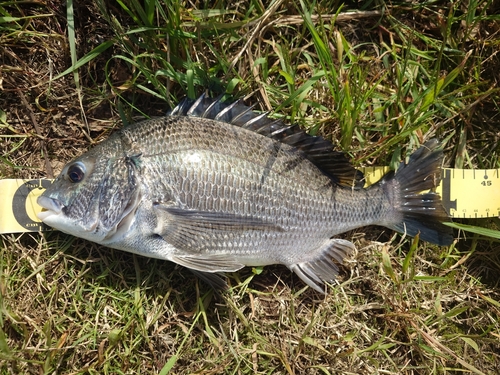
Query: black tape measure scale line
x=445 y=192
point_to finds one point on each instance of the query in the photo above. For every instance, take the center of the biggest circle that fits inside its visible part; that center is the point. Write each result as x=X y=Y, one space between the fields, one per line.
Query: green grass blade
x=87 y=58
x=492 y=233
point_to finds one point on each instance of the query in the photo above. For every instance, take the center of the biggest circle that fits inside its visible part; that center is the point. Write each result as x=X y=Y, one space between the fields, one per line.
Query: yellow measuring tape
x=18 y=207
x=466 y=193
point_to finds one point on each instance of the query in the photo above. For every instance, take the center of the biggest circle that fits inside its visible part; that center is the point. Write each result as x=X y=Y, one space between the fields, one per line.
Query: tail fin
x=420 y=213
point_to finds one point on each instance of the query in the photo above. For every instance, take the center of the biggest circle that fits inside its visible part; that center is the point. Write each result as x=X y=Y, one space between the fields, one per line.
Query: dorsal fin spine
x=254 y=120
x=214 y=103
x=228 y=109
x=247 y=110
x=264 y=129
x=195 y=105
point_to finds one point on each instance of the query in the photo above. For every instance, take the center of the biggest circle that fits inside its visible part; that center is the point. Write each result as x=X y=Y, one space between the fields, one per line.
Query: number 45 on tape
x=466 y=193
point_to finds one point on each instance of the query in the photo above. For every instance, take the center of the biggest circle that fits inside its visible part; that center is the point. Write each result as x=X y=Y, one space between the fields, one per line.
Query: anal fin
x=322 y=268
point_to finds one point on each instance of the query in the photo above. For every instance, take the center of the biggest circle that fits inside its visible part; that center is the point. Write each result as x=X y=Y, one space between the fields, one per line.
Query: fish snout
x=50 y=206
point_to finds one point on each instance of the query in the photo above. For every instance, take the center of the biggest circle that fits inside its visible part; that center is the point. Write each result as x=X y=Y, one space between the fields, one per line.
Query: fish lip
x=50 y=206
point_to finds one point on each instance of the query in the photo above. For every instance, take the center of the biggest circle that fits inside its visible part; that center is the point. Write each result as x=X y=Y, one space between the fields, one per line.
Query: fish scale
x=216 y=187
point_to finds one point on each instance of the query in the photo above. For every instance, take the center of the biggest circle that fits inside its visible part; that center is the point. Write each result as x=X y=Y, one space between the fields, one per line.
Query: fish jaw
x=50 y=207
x=53 y=215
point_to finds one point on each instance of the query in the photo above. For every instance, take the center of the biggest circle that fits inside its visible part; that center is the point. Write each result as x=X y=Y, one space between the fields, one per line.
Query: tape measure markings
x=18 y=207
x=474 y=193
x=466 y=193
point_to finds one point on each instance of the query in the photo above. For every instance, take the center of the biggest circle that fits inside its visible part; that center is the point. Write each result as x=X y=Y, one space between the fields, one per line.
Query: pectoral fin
x=217 y=220
x=321 y=268
x=195 y=232
x=210 y=263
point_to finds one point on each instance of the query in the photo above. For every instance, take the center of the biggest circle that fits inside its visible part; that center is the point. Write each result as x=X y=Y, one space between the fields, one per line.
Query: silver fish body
x=216 y=187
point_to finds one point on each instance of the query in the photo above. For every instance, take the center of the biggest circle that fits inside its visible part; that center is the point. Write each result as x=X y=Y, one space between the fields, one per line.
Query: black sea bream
x=216 y=187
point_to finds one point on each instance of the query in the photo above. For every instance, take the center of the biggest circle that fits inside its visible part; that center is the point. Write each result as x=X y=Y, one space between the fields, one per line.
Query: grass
x=377 y=86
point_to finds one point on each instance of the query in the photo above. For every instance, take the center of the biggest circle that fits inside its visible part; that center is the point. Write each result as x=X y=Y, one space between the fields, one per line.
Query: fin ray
x=322 y=269
x=210 y=263
x=214 y=280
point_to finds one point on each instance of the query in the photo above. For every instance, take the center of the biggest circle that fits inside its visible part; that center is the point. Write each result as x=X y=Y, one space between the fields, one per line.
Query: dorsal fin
x=318 y=150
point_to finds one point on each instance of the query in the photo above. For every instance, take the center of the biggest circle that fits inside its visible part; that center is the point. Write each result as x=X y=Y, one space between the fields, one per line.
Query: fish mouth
x=50 y=206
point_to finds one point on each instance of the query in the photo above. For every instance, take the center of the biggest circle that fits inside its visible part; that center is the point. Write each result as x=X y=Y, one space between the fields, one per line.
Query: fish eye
x=76 y=172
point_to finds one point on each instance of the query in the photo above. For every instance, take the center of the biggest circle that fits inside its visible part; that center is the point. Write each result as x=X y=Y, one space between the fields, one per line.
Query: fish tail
x=417 y=209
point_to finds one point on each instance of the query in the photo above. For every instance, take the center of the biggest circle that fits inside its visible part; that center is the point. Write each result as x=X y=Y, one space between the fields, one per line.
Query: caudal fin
x=421 y=211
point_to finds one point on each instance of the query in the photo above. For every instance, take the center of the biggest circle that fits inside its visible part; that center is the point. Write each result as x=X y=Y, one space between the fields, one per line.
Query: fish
x=215 y=186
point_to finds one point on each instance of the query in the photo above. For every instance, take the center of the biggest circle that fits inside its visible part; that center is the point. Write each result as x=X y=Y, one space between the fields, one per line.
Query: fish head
x=94 y=197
